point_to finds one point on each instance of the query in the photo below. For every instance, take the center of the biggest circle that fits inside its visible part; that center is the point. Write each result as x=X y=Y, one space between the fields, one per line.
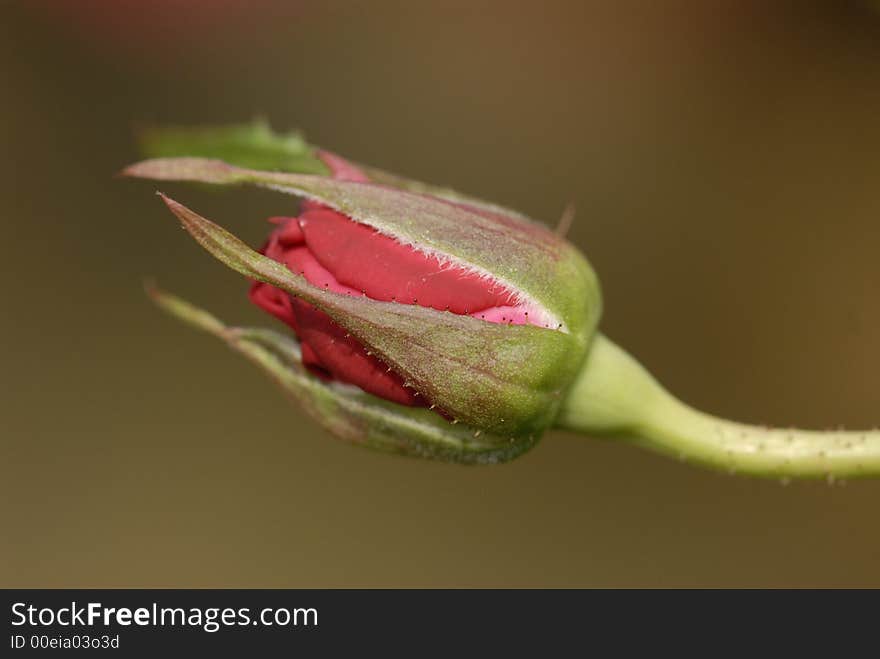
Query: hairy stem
x=615 y=396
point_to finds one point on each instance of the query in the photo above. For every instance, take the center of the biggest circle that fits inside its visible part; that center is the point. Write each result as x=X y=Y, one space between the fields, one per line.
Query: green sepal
x=252 y=145
x=346 y=411
x=256 y=146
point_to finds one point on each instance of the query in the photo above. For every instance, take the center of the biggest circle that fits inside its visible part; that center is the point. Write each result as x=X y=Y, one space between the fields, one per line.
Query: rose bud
x=438 y=325
x=481 y=315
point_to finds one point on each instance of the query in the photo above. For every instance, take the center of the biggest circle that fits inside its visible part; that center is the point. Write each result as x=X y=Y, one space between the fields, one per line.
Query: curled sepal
x=257 y=146
x=503 y=379
x=346 y=411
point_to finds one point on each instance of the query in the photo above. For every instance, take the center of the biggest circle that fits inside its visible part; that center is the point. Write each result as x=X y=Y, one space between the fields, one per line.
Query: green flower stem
x=615 y=396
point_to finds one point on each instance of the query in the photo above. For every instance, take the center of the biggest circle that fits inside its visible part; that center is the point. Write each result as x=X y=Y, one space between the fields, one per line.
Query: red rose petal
x=364 y=260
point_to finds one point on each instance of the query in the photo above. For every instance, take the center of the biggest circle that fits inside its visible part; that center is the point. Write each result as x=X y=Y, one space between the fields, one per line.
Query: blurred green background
x=723 y=157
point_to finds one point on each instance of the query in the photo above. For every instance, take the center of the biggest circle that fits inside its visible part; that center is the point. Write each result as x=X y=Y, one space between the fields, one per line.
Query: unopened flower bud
x=481 y=315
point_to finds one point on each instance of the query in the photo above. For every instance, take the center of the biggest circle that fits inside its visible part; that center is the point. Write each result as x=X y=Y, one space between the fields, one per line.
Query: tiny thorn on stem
x=566 y=220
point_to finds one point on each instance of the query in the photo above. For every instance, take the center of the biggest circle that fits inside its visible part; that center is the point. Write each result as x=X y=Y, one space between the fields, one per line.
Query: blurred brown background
x=724 y=159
